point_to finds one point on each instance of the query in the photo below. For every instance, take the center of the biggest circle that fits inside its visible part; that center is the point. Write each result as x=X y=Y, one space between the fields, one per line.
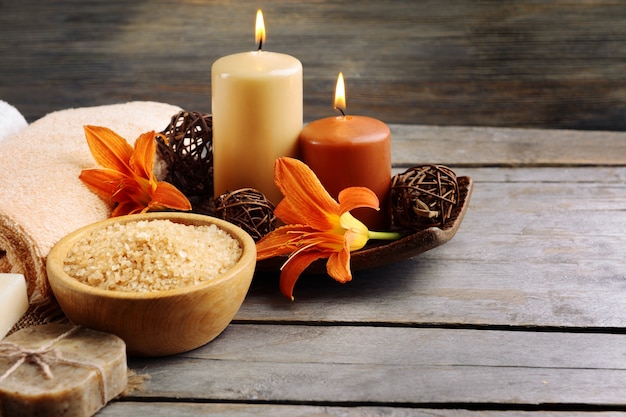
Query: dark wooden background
x=526 y=63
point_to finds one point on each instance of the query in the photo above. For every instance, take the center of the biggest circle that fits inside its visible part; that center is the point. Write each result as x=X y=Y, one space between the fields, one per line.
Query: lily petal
x=355 y=237
x=142 y=160
x=102 y=182
x=133 y=189
x=109 y=149
x=338 y=266
x=281 y=241
x=167 y=196
x=126 y=207
x=293 y=268
x=357 y=197
x=307 y=199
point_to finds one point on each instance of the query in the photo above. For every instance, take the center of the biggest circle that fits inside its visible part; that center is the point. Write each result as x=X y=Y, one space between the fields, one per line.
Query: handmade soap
x=60 y=370
x=13 y=301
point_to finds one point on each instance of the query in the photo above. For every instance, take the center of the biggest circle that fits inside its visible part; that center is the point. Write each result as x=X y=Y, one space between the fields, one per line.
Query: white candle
x=13 y=301
x=257 y=117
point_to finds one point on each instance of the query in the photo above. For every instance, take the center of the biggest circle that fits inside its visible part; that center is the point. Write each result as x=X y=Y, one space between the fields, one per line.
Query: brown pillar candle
x=347 y=151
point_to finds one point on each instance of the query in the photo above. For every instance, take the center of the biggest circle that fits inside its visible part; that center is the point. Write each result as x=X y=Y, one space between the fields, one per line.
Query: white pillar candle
x=13 y=301
x=257 y=117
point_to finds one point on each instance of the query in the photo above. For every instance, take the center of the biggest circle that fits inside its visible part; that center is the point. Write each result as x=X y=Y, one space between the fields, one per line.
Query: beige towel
x=41 y=197
x=11 y=120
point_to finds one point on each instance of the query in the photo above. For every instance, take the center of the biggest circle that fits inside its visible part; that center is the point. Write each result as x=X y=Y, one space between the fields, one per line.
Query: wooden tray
x=380 y=253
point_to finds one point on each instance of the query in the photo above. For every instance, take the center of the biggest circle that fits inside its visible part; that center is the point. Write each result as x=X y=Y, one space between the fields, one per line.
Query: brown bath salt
x=151 y=255
x=60 y=370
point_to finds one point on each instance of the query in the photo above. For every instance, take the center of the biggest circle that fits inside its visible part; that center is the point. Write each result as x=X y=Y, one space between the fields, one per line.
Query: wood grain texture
x=486 y=146
x=337 y=365
x=557 y=64
x=165 y=409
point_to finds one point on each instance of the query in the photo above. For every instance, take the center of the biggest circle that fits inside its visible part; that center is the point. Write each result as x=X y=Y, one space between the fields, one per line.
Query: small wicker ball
x=423 y=196
x=186 y=146
x=249 y=209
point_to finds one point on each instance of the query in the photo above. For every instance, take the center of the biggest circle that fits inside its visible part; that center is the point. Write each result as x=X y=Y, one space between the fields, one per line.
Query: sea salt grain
x=151 y=255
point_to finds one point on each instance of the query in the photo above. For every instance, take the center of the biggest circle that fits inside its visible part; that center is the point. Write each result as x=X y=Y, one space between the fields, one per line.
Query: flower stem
x=384 y=235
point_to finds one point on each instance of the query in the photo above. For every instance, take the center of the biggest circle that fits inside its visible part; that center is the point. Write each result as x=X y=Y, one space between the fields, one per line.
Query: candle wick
x=341 y=110
x=260 y=44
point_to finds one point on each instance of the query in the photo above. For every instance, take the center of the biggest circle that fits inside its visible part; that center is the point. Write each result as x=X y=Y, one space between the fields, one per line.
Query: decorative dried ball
x=423 y=196
x=248 y=209
x=186 y=146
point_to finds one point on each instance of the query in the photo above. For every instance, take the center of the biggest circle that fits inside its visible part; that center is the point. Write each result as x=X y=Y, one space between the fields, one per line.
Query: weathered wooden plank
x=397 y=346
x=484 y=146
x=599 y=175
x=530 y=252
x=459 y=62
x=478 y=295
x=376 y=365
x=164 y=409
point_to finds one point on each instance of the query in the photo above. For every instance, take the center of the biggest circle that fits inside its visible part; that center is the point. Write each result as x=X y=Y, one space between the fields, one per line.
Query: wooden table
x=524 y=310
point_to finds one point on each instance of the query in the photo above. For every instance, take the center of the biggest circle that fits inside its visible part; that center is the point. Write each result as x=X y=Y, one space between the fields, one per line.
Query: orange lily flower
x=126 y=179
x=317 y=226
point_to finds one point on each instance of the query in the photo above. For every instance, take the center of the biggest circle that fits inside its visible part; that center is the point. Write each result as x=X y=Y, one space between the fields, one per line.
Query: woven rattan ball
x=423 y=196
x=186 y=145
x=248 y=209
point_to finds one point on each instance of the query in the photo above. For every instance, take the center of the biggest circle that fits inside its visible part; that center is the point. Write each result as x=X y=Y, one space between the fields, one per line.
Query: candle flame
x=340 y=94
x=259 y=33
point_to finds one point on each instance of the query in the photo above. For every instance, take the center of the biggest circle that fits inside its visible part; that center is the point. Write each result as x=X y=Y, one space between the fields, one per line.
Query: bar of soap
x=13 y=301
x=87 y=368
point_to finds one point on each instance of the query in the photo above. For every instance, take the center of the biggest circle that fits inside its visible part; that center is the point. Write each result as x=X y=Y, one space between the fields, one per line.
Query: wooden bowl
x=156 y=323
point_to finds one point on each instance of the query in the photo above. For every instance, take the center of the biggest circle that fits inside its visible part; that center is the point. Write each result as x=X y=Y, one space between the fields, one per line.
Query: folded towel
x=41 y=197
x=11 y=120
